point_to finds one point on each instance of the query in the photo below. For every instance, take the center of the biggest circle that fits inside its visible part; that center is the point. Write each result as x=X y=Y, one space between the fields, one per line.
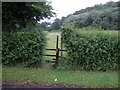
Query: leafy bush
x=91 y=50
x=23 y=47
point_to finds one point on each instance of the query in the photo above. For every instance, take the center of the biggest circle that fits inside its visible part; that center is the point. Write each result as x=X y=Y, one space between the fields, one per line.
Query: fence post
x=61 y=48
x=57 y=54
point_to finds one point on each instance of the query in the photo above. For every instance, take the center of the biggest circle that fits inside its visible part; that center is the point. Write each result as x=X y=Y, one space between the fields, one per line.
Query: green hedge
x=91 y=50
x=23 y=48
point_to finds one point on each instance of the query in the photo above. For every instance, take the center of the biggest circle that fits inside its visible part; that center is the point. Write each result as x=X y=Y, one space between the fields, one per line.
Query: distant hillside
x=105 y=16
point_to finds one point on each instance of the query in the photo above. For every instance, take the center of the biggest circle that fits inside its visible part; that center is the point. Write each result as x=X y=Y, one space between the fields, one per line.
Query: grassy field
x=48 y=75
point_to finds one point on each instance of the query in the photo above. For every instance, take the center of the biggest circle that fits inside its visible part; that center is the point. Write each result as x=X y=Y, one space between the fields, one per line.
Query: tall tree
x=19 y=14
x=56 y=24
x=43 y=25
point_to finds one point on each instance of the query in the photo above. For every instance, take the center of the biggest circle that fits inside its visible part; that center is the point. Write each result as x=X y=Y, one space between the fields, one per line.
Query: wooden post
x=57 y=54
x=61 y=48
x=57 y=51
x=57 y=42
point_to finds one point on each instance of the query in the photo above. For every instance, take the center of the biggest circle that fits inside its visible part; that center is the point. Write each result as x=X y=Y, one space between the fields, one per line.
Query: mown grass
x=47 y=75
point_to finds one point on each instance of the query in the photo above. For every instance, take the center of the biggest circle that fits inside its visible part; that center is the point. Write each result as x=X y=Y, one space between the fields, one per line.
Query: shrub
x=91 y=50
x=23 y=47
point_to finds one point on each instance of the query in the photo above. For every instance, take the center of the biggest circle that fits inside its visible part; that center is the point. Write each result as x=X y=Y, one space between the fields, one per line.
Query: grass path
x=51 y=40
x=51 y=43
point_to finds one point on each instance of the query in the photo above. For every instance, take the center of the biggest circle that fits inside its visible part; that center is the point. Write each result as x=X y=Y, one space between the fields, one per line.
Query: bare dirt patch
x=34 y=85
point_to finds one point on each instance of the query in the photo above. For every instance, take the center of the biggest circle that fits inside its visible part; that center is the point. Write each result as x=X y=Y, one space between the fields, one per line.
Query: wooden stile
x=57 y=54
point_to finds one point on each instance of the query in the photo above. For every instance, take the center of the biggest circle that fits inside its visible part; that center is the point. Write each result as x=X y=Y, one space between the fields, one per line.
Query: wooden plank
x=50 y=55
x=62 y=50
x=53 y=61
x=60 y=57
x=51 y=49
x=55 y=49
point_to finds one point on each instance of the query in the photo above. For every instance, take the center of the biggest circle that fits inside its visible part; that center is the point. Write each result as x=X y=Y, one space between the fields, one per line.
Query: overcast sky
x=65 y=7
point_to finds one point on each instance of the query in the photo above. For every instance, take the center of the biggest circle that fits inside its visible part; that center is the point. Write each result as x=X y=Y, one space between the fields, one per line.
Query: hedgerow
x=23 y=48
x=91 y=50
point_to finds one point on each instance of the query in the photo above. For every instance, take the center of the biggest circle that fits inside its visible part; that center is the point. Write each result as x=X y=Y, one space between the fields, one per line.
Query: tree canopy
x=56 y=24
x=17 y=15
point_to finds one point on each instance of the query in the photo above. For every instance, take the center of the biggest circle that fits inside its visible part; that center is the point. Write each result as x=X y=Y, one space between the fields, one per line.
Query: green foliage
x=56 y=24
x=44 y=25
x=23 y=48
x=19 y=14
x=83 y=22
x=104 y=15
x=91 y=50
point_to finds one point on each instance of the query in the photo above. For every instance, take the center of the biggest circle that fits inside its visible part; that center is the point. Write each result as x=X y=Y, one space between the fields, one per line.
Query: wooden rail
x=50 y=55
x=55 y=50
x=51 y=49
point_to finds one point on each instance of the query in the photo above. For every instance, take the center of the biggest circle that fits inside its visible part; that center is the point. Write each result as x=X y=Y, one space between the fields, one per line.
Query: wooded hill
x=106 y=16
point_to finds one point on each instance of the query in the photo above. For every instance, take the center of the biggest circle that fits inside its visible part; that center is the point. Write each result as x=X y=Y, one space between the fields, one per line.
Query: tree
x=18 y=14
x=79 y=23
x=43 y=25
x=56 y=24
x=88 y=21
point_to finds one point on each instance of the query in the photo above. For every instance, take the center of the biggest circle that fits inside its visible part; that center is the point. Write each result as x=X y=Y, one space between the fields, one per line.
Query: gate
x=57 y=56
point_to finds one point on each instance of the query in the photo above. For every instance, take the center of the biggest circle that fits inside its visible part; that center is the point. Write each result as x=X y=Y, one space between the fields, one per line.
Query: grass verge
x=48 y=75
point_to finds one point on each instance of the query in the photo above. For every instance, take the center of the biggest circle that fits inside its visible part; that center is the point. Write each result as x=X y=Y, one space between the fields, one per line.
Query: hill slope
x=105 y=16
